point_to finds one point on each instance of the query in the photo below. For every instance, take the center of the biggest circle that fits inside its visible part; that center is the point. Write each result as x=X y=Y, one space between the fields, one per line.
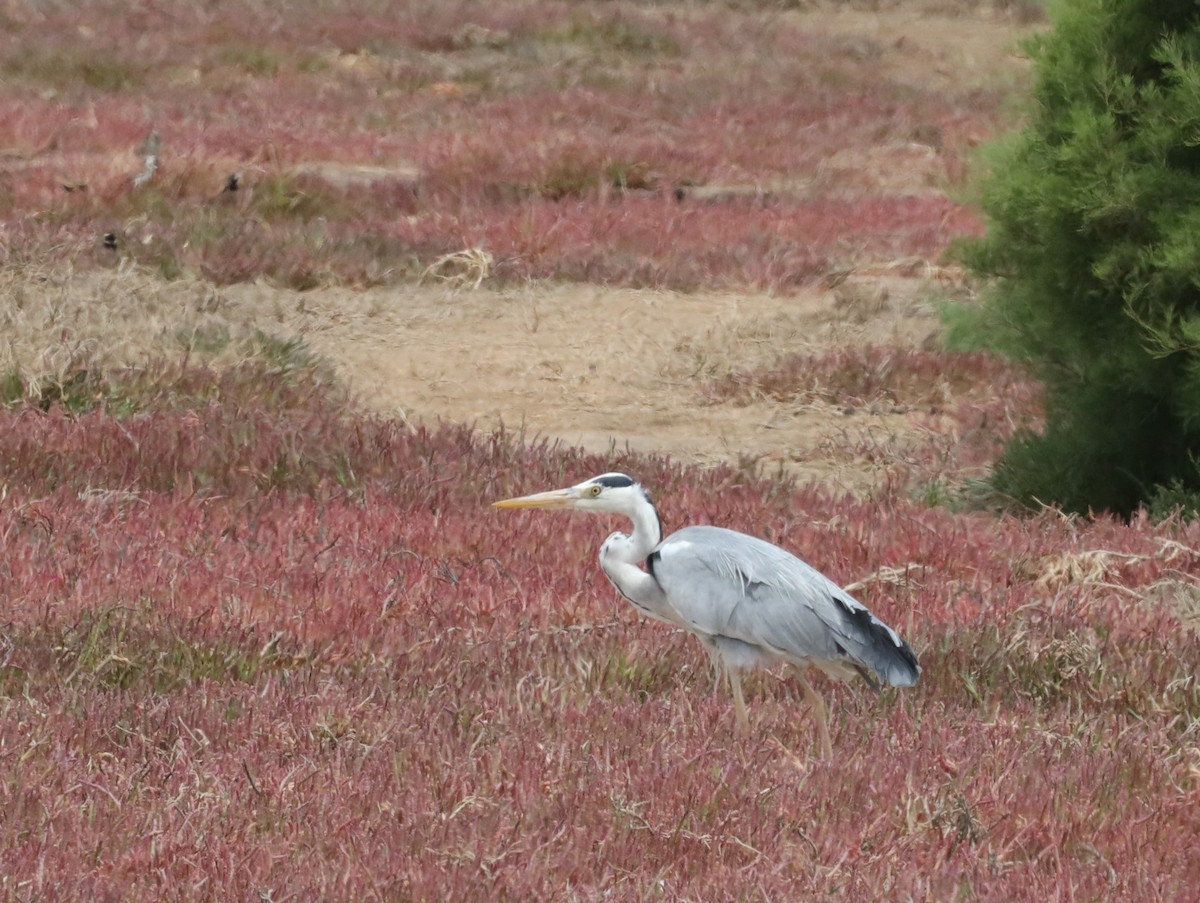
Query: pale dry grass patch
x=891 y=576
x=461 y=269
x=59 y=322
x=1087 y=568
x=1174 y=590
x=1097 y=566
x=1180 y=594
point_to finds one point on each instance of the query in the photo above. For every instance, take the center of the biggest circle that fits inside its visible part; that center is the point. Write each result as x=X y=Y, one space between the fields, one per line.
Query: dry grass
x=59 y=323
x=467 y=268
x=928 y=421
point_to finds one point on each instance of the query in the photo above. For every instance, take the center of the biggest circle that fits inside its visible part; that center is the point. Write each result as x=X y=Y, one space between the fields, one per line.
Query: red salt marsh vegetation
x=262 y=637
x=256 y=645
x=593 y=142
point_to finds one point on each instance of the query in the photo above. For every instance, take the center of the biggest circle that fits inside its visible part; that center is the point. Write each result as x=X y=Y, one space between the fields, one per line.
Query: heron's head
x=609 y=493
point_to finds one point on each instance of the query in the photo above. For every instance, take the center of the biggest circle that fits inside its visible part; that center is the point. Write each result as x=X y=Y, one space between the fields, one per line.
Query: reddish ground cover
x=609 y=143
x=253 y=645
x=256 y=644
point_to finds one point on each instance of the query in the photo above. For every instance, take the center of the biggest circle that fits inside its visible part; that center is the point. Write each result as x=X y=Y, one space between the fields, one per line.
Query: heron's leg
x=818 y=706
x=739 y=701
x=714 y=658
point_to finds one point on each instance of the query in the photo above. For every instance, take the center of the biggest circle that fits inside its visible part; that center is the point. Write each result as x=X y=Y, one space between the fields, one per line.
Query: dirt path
x=591 y=366
x=595 y=367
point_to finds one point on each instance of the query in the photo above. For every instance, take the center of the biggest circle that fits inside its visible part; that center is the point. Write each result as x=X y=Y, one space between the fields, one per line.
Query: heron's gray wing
x=729 y=584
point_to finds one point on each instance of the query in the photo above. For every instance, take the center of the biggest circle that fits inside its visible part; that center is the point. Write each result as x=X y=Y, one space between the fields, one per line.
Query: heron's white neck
x=622 y=555
x=647 y=531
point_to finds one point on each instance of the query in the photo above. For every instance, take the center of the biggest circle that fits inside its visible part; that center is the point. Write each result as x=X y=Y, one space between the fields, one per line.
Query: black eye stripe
x=614 y=481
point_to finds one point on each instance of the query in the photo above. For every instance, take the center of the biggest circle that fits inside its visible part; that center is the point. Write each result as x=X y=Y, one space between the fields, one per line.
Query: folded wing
x=728 y=584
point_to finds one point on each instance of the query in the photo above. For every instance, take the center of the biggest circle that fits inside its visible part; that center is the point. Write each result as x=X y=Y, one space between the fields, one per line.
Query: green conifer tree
x=1093 y=215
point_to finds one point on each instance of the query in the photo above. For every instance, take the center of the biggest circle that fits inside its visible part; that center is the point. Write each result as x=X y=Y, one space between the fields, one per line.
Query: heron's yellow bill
x=555 y=498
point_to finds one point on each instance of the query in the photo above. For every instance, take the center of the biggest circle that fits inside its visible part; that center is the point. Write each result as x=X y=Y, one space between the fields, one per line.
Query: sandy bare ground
x=591 y=366
x=597 y=367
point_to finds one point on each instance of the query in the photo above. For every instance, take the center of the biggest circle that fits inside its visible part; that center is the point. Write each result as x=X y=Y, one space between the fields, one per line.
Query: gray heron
x=749 y=602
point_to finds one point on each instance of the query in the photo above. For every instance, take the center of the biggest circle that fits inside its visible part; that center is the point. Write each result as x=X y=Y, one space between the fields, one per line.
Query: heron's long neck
x=621 y=557
x=647 y=532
